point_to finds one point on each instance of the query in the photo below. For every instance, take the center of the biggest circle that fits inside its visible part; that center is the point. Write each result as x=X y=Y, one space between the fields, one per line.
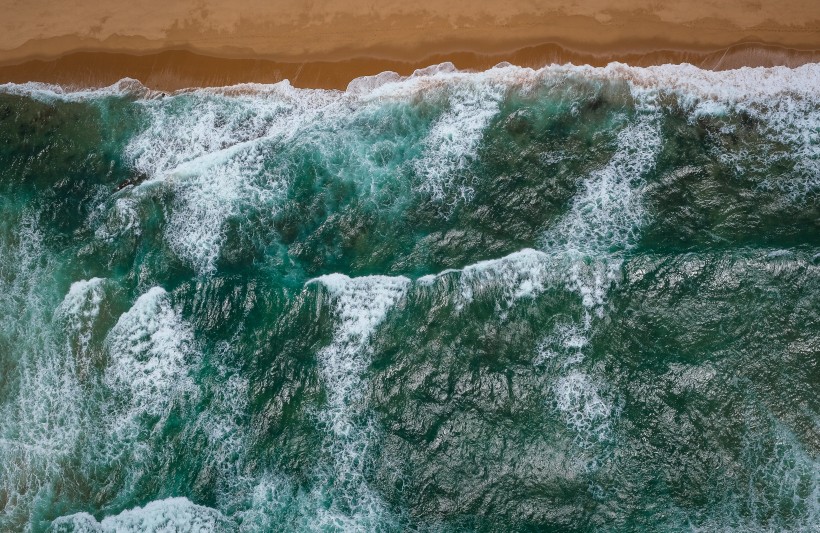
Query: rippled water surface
x=571 y=299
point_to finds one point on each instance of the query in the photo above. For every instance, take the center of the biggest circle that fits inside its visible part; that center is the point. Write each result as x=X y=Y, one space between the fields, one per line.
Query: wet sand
x=171 y=45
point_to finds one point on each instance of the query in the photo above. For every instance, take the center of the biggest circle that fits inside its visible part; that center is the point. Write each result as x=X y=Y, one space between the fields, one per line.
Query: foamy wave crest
x=211 y=151
x=151 y=350
x=785 y=103
x=78 y=312
x=172 y=514
x=49 y=93
x=82 y=301
x=522 y=274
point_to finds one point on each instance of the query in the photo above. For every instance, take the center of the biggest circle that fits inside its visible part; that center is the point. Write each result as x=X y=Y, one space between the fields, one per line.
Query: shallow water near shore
x=570 y=299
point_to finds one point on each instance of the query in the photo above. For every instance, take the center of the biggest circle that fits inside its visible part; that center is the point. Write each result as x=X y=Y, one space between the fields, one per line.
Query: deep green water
x=565 y=300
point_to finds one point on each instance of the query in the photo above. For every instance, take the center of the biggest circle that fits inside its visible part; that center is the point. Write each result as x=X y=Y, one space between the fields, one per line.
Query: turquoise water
x=571 y=299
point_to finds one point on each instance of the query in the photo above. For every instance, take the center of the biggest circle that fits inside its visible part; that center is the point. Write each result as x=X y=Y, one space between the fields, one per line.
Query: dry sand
x=325 y=43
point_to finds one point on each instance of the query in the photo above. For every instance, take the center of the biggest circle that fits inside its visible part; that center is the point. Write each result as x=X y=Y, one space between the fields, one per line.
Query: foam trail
x=451 y=144
x=602 y=224
x=606 y=217
x=225 y=424
x=578 y=398
x=586 y=248
x=565 y=345
x=361 y=304
x=608 y=213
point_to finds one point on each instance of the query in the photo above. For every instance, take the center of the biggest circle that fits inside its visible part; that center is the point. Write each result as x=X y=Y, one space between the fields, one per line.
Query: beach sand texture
x=170 y=45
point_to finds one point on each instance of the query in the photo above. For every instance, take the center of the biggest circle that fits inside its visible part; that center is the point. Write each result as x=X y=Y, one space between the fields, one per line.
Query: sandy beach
x=171 y=45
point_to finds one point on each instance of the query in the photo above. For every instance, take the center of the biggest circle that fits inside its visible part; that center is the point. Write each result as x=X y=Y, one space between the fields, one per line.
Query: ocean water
x=568 y=299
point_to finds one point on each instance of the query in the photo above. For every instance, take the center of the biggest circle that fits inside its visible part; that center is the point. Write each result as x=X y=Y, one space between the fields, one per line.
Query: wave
x=743 y=83
x=517 y=225
x=172 y=514
x=222 y=150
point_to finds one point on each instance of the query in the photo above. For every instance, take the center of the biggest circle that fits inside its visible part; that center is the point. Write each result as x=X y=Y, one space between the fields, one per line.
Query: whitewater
x=570 y=299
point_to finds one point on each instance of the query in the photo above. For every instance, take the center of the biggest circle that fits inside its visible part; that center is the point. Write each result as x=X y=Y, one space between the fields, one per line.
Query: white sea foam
x=172 y=514
x=225 y=423
x=522 y=274
x=731 y=86
x=578 y=397
x=451 y=144
x=146 y=363
x=367 y=84
x=361 y=304
x=211 y=151
x=213 y=147
x=48 y=93
x=151 y=349
x=275 y=505
x=564 y=345
x=42 y=415
x=608 y=212
x=78 y=312
x=83 y=300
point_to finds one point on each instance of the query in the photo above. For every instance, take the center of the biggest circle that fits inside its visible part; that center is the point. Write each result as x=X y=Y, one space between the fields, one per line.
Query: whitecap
x=151 y=349
x=452 y=142
x=171 y=514
x=78 y=312
x=360 y=305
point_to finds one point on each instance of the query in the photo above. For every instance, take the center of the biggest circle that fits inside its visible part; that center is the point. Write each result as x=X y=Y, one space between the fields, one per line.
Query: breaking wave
x=267 y=308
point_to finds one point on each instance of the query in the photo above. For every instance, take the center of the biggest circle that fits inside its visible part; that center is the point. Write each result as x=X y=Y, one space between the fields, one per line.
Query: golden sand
x=173 y=44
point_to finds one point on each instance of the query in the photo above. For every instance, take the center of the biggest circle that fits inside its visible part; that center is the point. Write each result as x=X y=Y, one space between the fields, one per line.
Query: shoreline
x=328 y=43
x=171 y=70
